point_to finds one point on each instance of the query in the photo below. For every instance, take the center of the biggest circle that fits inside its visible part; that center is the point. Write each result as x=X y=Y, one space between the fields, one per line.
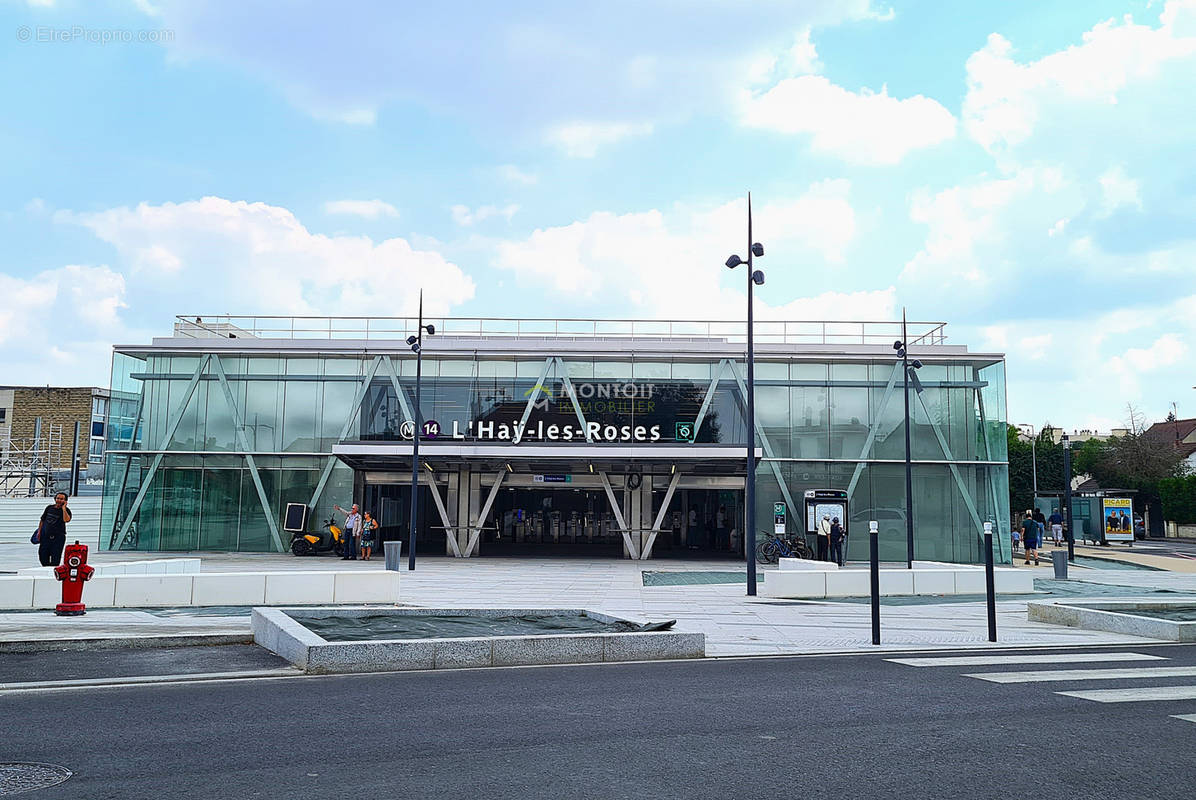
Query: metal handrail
x=268 y=326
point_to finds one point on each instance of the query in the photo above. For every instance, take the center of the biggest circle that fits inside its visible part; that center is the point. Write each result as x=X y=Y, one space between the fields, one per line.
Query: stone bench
x=938 y=580
x=208 y=589
x=157 y=566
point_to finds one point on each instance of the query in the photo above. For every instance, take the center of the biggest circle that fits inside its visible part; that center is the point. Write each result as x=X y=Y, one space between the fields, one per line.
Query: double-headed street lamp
x=908 y=375
x=755 y=278
x=416 y=342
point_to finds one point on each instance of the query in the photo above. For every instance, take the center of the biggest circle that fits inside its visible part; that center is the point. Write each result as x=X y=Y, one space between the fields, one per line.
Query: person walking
x=1056 y=523
x=51 y=531
x=368 y=526
x=838 y=534
x=350 y=532
x=1030 y=537
x=824 y=538
x=1040 y=518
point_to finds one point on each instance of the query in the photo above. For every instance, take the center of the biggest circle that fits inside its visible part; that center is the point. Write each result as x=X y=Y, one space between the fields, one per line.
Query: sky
x=1022 y=171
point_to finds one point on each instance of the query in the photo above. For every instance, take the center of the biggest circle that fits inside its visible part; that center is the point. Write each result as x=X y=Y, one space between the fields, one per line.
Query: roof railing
x=824 y=332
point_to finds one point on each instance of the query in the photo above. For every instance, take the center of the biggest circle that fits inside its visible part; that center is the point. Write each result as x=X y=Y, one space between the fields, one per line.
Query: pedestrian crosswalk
x=1132 y=667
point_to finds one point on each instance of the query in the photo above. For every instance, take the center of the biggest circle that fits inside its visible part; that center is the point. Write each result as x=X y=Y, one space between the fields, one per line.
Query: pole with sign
x=778 y=519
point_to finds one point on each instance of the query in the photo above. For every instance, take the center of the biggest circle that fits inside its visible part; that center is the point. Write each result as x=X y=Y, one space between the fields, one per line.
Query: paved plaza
x=734 y=624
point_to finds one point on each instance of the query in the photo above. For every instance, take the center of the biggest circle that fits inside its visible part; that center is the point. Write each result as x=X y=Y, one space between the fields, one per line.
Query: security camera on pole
x=416 y=342
x=908 y=375
x=755 y=278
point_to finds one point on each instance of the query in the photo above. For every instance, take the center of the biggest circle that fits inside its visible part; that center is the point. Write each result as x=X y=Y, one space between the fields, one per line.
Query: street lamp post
x=416 y=343
x=908 y=375
x=1071 y=532
x=754 y=278
x=1033 y=459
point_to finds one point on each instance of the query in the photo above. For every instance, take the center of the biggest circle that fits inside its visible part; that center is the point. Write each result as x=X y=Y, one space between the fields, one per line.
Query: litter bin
x=392 y=554
x=1058 y=559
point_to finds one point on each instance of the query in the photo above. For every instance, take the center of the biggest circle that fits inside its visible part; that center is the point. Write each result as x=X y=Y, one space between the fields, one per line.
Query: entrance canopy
x=661 y=459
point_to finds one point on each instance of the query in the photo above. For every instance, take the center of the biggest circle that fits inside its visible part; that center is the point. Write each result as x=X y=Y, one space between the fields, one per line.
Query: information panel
x=1119 y=519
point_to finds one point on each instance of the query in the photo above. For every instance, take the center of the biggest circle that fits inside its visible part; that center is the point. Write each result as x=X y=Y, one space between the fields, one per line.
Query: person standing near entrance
x=51 y=531
x=691 y=530
x=824 y=538
x=1056 y=523
x=351 y=530
x=368 y=527
x=837 y=535
x=721 y=541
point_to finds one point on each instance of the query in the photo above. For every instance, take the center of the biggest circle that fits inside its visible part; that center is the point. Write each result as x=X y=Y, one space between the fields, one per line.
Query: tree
x=1136 y=461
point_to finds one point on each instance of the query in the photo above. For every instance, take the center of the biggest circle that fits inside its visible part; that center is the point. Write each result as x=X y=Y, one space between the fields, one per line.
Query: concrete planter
x=279 y=630
x=1117 y=617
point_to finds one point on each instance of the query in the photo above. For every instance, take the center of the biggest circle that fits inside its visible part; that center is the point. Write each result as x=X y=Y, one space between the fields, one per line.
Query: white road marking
x=1136 y=695
x=1185 y=717
x=141 y=680
x=1035 y=658
x=1042 y=676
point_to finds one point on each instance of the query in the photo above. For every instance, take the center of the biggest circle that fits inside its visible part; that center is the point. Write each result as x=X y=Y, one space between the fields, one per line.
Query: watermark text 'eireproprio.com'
x=48 y=34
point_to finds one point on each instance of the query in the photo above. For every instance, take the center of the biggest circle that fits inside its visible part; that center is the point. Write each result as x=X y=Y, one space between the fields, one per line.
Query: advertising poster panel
x=1119 y=519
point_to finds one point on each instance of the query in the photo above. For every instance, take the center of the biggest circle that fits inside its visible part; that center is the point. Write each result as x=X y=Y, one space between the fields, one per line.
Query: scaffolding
x=27 y=465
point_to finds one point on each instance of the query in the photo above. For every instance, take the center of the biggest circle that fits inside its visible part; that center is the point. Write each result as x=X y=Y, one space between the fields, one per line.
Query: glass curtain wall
x=825 y=424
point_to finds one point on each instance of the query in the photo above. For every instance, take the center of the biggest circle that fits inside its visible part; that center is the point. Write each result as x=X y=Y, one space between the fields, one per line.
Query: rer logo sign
x=685 y=432
x=778 y=518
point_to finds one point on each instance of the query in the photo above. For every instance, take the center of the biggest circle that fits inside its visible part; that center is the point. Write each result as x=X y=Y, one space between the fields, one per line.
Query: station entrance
x=637 y=503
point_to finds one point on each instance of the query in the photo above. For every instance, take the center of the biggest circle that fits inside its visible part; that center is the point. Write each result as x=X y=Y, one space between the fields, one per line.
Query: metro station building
x=610 y=438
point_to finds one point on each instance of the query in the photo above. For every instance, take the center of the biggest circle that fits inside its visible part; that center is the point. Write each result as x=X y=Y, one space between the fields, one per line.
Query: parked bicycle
x=773 y=547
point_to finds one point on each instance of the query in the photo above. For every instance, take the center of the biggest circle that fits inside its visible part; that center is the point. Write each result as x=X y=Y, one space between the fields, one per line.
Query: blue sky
x=1022 y=171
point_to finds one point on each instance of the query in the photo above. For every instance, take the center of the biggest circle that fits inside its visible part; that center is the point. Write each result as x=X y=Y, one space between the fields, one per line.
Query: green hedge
x=1179 y=499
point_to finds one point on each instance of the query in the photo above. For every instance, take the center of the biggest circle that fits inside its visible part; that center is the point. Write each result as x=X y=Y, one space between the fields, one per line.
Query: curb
x=125 y=642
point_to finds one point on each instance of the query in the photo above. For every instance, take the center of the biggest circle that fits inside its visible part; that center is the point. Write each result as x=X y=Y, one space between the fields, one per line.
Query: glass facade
x=207 y=430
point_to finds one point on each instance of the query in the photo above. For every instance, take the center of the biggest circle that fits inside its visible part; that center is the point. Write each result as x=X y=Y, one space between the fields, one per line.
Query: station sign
x=778 y=518
x=552 y=479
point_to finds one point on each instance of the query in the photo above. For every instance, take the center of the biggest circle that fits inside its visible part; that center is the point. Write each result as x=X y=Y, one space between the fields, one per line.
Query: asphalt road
x=839 y=727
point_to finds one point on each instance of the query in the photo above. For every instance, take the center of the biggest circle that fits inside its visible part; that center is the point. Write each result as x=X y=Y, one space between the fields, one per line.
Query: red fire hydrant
x=72 y=573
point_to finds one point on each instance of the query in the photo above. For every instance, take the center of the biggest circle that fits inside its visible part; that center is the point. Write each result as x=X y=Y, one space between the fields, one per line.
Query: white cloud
x=1119 y=190
x=56 y=326
x=369 y=209
x=1163 y=352
x=219 y=255
x=463 y=216
x=969 y=227
x=1006 y=99
x=659 y=263
x=583 y=139
x=512 y=174
x=860 y=128
x=521 y=69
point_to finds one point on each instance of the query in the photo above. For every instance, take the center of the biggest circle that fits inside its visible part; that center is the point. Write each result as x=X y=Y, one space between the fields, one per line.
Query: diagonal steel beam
x=660 y=515
x=243 y=443
x=124 y=477
x=764 y=443
x=531 y=400
x=353 y=409
x=404 y=406
x=476 y=533
x=967 y=497
x=573 y=398
x=614 y=504
x=873 y=429
x=450 y=532
x=171 y=427
x=718 y=376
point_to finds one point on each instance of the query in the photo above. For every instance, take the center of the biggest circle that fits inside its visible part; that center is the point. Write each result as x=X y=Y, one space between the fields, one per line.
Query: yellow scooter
x=312 y=544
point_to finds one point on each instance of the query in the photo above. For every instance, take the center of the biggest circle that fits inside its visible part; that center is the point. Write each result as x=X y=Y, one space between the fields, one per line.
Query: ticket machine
x=825 y=502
